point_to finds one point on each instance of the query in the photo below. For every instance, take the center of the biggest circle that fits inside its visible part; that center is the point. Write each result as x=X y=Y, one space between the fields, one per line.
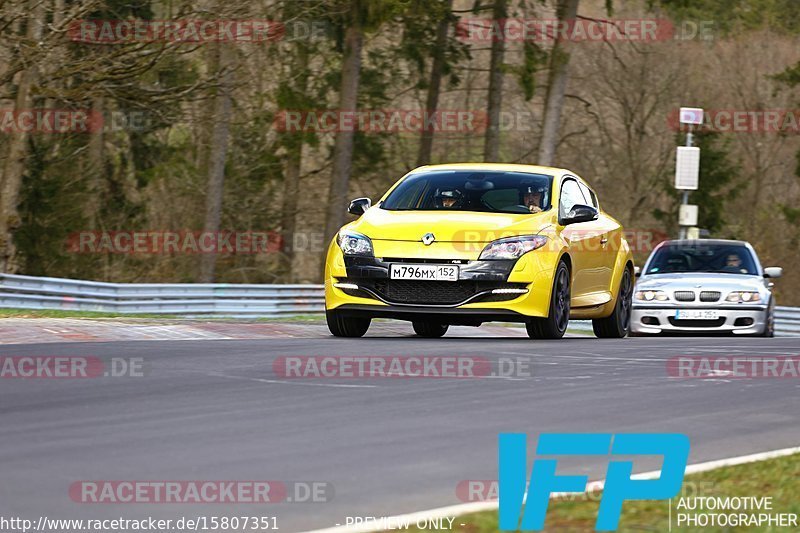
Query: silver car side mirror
x=773 y=272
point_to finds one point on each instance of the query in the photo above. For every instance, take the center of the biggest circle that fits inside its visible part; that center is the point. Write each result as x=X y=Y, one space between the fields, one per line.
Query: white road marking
x=293 y=382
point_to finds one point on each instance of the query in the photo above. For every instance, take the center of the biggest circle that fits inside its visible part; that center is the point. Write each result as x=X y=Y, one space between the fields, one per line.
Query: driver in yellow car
x=532 y=199
x=449 y=199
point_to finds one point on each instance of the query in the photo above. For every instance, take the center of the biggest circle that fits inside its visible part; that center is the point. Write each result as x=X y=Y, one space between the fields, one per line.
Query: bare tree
x=291 y=185
x=348 y=102
x=14 y=167
x=491 y=145
x=567 y=10
x=435 y=83
x=223 y=108
x=96 y=165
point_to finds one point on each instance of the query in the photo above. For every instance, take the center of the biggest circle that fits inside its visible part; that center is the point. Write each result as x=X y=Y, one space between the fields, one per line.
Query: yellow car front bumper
x=533 y=272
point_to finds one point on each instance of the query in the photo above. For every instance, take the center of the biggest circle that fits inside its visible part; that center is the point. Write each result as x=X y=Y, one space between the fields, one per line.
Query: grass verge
x=778 y=479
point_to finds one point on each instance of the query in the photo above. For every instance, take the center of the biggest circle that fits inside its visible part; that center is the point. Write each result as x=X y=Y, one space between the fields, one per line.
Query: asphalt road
x=214 y=410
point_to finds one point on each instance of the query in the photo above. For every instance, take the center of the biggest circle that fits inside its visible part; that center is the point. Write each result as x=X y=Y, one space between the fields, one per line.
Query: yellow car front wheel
x=555 y=323
x=346 y=326
x=618 y=325
x=429 y=330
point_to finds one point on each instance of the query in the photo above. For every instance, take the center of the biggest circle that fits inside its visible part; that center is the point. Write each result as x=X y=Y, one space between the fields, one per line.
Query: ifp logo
x=619 y=486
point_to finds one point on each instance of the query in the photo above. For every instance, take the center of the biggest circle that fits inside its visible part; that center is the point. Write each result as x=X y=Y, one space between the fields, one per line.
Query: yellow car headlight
x=512 y=247
x=751 y=297
x=352 y=243
x=650 y=295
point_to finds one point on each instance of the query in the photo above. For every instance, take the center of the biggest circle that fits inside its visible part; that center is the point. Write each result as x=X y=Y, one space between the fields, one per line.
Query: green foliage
x=734 y=16
x=419 y=25
x=534 y=59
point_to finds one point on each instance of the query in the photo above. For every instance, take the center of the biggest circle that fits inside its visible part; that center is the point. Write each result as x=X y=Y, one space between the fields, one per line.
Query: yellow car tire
x=555 y=324
x=346 y=326
x=430 y=330
x=618 y=325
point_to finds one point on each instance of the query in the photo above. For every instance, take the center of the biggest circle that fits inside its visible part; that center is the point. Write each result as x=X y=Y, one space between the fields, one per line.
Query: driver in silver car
x=733 y=263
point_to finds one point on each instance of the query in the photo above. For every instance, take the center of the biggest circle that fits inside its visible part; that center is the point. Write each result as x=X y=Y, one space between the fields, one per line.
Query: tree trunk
x=216 y=162
x=96 y=167
x=491 y=143
x=434 y=86
x=556 y=87
x=348 y=101
x=291 y=185
x=14 y=167
x=291 y=192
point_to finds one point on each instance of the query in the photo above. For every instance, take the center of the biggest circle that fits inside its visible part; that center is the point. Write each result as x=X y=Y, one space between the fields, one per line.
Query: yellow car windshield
x=467 y=190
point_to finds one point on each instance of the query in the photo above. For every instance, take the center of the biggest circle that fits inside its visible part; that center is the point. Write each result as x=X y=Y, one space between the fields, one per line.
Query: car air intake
x=402 y=291
x=684 y=296
x=710 y=296
x=697 y=323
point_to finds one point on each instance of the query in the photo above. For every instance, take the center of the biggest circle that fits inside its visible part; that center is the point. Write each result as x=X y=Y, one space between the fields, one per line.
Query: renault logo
x=428 y=239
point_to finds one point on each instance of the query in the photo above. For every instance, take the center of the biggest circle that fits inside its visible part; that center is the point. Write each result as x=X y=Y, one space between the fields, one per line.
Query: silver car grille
x=684 y=296
x=710 y=296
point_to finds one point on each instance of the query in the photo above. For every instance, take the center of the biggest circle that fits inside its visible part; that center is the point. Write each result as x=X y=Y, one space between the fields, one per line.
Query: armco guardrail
x=787 y=321
x=28 y=292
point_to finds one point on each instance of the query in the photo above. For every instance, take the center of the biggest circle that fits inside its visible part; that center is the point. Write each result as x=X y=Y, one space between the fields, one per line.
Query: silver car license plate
x=423 y=272
x=696 y=314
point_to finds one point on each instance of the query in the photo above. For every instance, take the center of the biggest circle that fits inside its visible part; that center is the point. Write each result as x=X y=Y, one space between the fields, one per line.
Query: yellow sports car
x=471 y=243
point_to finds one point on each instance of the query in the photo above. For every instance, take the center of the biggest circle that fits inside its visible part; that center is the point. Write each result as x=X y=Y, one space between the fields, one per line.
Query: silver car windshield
x=470 y=190
x=717 y=258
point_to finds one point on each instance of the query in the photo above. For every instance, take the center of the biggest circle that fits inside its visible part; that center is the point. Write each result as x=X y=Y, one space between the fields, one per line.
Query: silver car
x=702 y=286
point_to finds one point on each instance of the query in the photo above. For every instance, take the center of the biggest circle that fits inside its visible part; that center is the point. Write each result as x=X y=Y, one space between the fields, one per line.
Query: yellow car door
x=604 y=240
x=582 y=240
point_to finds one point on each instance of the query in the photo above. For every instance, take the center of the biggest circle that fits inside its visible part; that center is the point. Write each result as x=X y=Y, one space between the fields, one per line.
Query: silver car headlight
x=649 y=296
x=352 y=243
x=741 y=297
x=512 y=247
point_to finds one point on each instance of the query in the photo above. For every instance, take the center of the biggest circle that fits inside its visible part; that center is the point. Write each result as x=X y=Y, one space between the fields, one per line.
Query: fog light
x=509 y=291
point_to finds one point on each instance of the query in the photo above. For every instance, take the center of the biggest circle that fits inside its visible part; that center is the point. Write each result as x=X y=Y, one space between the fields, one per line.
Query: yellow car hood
x=453 y=226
